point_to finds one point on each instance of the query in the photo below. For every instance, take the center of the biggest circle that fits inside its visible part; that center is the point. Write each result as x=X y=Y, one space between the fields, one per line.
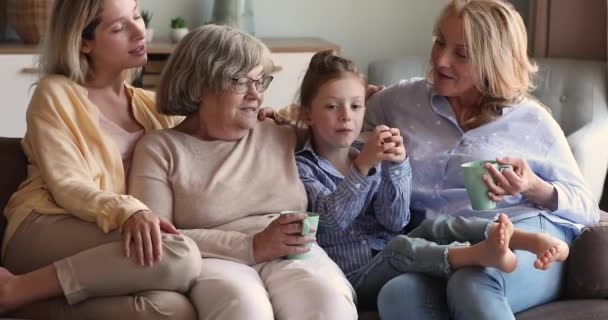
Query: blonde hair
x=205 y=62
x=497 y=45
x=69 y=23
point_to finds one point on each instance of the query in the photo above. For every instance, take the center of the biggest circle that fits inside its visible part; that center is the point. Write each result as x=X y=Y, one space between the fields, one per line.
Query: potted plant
x=146 y=15
x=178 y=29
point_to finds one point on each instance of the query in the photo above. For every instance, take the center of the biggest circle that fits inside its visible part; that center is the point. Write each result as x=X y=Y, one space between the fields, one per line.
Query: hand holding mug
x=282 y=237
x=519 y=179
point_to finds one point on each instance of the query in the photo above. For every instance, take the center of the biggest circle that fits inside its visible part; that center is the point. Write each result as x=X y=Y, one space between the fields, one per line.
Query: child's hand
x=397 y=152
x=374 y=150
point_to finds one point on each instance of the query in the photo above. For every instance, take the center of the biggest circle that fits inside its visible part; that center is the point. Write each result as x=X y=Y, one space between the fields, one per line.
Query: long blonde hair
x=69 y=23
x=497 y=45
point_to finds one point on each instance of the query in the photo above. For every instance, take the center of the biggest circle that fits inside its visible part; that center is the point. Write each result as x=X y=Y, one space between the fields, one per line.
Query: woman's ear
x=86 y=46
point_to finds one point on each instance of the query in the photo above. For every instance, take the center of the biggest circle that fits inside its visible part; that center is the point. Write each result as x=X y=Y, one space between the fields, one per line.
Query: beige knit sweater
x=220 y=193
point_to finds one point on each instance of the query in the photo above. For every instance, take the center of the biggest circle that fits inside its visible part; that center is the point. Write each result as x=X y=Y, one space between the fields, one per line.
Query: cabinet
x=17 y=80
x=19 y=73
x=292 y=55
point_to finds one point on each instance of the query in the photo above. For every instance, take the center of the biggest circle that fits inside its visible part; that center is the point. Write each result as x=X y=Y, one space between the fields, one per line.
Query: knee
x=399 y=291
x=333 y=299
x=183 y=261
x=415 y=294
x=467 y=282
x=163 y=305
x=224 y=298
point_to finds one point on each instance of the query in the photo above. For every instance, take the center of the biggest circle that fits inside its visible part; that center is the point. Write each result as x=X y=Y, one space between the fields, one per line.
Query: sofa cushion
x=14 y=169
x=588 y=262
x=567 y=310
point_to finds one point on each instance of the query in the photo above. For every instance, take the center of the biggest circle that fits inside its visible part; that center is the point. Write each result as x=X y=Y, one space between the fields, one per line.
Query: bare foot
x=548 y=250
x=495 y=251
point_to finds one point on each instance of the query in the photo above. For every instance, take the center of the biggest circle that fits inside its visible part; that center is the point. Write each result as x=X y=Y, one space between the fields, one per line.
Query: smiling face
x=336 y=113
x=228 y=115
x=453 y=74
x=119 y=40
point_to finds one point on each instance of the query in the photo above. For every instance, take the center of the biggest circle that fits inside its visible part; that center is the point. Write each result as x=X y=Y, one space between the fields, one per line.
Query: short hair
x=325 y=66
x=70 y=21
x=204 y=62
x=497 y=47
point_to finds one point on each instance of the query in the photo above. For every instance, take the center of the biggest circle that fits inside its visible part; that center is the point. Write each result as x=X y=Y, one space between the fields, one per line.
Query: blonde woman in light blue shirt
x=474 y=105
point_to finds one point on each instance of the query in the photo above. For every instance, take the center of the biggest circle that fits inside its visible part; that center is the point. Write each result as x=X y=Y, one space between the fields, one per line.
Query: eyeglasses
x=242 y=85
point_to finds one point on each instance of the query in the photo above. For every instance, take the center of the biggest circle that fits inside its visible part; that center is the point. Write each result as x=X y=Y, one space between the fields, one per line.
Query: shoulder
x=537 y=117
x=410 y=89
x=54 y=85
x=56 y=92
x=268 y=129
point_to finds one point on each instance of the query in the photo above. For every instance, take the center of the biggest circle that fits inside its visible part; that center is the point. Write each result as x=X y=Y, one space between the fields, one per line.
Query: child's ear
x=304 y=115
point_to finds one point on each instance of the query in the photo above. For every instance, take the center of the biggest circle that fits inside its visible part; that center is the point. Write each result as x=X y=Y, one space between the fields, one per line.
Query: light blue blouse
x=437 y=146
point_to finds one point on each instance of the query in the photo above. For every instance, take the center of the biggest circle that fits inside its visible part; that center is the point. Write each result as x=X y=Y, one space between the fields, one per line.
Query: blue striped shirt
x=437 y=146
x=357 y=214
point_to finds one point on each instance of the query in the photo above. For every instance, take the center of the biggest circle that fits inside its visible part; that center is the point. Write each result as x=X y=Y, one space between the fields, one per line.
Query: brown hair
x=325 y=66
x=497 y=46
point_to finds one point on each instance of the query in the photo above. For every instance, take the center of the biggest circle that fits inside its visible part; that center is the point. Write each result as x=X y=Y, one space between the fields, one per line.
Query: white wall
x=364 y=29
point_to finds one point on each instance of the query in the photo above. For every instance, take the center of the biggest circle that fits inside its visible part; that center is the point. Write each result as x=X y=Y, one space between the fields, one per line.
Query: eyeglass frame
x=260 y=84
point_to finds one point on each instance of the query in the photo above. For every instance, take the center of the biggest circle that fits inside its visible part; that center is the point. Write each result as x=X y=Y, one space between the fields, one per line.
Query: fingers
x=139 y=250
x=291 y=218
x=157 y=243
x=147 y=247
x=167 y=226
x=126 y=244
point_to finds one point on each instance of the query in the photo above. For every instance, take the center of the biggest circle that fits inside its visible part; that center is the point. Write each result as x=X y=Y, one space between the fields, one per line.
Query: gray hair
x=204 y=62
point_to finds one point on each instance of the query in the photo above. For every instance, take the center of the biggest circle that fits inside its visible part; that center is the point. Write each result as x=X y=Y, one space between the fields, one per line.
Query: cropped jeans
x=476 y=292
x=423 y=250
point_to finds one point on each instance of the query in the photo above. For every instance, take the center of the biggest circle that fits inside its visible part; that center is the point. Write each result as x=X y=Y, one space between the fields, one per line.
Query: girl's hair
x=496 y=43
x=70 y=22
x=205 y=62
x=325 y=66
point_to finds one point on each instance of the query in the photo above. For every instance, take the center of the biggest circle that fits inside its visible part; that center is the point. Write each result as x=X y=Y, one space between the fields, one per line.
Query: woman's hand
x=385 y=144
x=143 y=230
x=281 y=237
x=267 y=112
x=519 y=179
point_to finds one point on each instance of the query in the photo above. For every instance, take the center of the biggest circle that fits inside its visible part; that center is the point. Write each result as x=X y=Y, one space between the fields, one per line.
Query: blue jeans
x=478 y=293
x=423 y=250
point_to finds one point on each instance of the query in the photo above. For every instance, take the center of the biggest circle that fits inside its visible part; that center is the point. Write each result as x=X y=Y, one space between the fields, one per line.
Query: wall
x=364 y=29
x=569 y=29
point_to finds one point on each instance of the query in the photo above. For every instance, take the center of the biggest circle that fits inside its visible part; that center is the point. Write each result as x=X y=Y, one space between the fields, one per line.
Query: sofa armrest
x=588 y=144
x=587 y=275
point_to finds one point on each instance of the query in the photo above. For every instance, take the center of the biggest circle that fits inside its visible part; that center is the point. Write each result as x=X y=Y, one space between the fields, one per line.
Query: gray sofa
x=576 y=93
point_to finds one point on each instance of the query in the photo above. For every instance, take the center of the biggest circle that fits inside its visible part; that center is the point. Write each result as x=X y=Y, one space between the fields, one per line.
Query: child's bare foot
x=495 y=250
x=548 y=250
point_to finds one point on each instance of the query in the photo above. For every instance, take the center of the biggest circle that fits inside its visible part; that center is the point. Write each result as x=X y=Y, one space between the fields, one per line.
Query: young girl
x=362 y=193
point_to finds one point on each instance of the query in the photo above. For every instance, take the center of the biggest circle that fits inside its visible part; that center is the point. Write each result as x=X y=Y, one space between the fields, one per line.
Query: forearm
x=543 y=194
x=393 y=196
x=227 y=245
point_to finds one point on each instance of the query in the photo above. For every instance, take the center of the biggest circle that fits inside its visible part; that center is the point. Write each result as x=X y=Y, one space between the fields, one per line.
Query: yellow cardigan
x=73 y=166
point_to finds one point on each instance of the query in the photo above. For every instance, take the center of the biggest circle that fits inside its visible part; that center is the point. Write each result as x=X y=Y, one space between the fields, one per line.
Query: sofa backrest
x=13 y=164
x=574 y=90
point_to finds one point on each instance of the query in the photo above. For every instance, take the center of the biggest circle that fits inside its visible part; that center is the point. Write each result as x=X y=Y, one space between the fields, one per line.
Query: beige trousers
x=91 y=264
x=313 y=288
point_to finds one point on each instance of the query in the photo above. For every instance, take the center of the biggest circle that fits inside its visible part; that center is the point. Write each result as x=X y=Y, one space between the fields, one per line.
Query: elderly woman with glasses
x=222 y=177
